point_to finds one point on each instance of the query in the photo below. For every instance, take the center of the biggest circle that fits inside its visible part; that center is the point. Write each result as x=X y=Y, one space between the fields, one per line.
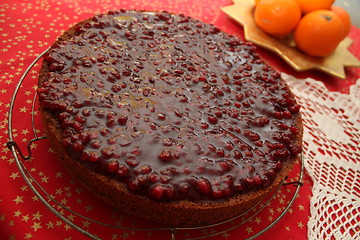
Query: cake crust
x=176 y=213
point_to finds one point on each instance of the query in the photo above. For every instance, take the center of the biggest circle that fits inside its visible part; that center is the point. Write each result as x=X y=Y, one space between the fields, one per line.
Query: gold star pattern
x=86 y=224
x=37 y=216
x=271 y=211
x=300 y=225
x=225 y=235
x=71 y=217
x=25 y=218
x=28 y=236
x=50 y=225
x=14 y=175
x=291 y=210
x=58 y=191
x=35 y=198
x=67 y=227
x=23 y=109
x=64 y=201
x=125 y=235
x=89 y=208
x=17 y=214
x=249 y=230
x=242 y=12
x=36 y=226
x=18 y=199
x=258 y=220
x=44 y=179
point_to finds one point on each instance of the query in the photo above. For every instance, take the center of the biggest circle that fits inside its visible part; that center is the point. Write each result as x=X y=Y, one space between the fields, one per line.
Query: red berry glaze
x=170 y=106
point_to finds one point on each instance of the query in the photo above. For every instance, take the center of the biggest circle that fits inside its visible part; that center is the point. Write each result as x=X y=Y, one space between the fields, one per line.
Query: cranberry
x=133 y=185
x=237 y=154
x=217 y=192
x=295 y=149
x=278 y=166
x=249 y=182
x=204 y=125
x=184 y=188
x=113 y=166
x=161 y=116
x=77 y=126
x=218 y=113
x=66 y=142
x=145 y=169
x=122 y=170
x=270 y=173
x=229 y=146
x=132 y=161
x=294 y=109
x=203 y=186
x=178 y=113
x=169 y=192
x=257 y=180
x=122 y=119
x=94 y=156
x=107 y=152
x=157 y=192
x=220 y=152
x=153 y=177
x=224 y=166
x=96 y=144
x=78 y=147
x=212 y=119
x=168 y=142
x=239 y=97
x=166 y=155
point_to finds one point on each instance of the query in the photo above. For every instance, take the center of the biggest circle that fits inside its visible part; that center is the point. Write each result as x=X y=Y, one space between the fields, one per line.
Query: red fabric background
x=27 y=28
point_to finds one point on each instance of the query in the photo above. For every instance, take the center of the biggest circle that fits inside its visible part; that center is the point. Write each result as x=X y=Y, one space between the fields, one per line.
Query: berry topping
x=170 y=106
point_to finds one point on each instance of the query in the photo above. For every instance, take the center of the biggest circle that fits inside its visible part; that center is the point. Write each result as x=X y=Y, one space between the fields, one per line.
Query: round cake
x=167 y=117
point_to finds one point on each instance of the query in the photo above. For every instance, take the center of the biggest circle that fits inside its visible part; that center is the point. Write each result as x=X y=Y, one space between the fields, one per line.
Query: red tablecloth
x=27 y=28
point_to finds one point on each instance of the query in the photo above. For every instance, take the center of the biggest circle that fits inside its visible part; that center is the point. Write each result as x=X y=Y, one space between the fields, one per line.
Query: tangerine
x=277 y=17
x=318 y=33
x=312 y=5
x=345 y=18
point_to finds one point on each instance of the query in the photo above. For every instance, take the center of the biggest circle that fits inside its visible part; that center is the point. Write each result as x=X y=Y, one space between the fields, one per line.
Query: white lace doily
x=332 y=157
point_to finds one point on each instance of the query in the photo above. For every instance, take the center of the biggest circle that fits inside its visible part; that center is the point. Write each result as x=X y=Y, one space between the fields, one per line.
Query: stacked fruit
x=317 y=26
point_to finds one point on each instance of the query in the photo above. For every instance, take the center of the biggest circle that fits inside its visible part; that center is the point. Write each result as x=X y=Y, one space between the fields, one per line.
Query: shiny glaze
x=172 y=107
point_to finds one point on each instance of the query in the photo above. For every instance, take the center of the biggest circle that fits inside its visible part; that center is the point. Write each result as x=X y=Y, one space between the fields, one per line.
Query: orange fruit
x=345 y=18
x=277 y=17
x=318 y=33
x=257 y=2
x=312 y=5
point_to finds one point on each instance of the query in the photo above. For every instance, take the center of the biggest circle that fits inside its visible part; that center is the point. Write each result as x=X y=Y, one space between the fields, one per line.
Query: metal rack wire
x=46 y=198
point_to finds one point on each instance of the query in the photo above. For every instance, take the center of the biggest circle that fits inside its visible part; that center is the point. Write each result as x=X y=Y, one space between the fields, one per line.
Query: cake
x=166 y=117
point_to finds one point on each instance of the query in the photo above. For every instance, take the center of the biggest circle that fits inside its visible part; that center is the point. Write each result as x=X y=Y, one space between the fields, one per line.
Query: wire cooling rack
x=62 y=211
